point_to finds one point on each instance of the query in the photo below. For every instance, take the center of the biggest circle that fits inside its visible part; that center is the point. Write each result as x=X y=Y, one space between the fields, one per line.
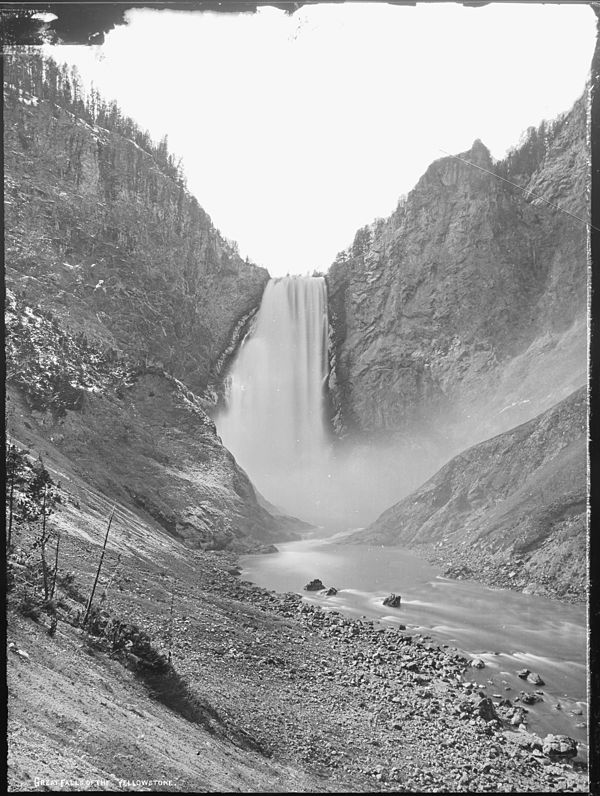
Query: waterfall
x=274 y=421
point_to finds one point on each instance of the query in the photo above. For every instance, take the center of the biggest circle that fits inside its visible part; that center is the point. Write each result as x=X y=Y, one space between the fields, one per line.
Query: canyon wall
x=462 y=318
x=100 y=235
x=122 y=299
x=465 y=310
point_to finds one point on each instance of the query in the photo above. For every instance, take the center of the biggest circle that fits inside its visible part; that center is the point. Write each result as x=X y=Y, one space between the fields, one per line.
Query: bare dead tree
x=43 y=542
x=89 y=604
x=55 y=567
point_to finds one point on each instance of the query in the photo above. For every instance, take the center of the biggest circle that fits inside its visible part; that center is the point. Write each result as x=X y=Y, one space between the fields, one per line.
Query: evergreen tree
x=16 y=468
x=37 y=507
x=362 y=241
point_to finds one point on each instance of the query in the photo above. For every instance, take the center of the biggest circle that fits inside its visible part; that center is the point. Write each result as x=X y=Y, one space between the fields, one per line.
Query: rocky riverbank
x=297 y=697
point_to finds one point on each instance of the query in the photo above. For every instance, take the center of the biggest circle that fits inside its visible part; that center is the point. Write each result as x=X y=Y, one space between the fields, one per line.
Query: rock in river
x=534 y=678
x=393 y=600
x=529 y=699
x=314 y=585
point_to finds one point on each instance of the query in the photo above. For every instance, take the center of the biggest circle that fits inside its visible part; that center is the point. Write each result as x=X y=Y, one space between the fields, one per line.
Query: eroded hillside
x=511 y=510
x=137 y=434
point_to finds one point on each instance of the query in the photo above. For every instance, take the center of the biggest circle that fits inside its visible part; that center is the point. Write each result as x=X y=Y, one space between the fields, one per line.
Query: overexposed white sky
x=296 y=130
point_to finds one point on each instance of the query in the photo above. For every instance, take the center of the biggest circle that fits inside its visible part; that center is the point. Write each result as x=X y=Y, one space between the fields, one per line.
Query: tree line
x=529 y=153
x=28 y=71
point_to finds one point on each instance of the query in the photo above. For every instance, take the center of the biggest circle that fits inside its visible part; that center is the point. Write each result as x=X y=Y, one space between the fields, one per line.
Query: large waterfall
x=274 y=422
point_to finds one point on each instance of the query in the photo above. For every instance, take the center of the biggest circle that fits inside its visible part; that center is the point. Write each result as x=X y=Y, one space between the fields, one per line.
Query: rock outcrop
x=100 y=235
x=314 y=585
x=393 y=601
x=465 y=309
x=559 y=746
x=511 y=509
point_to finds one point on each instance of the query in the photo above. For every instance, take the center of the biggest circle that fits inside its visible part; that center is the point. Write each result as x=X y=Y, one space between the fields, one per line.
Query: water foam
x=274 y=422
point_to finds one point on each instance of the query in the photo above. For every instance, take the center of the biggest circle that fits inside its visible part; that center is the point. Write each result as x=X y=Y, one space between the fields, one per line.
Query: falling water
x=274 y=421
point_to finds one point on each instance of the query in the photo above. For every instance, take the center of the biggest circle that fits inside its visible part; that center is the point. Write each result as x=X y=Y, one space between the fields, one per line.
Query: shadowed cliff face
x=96 y=233
x=511 y=510
x=466 y=308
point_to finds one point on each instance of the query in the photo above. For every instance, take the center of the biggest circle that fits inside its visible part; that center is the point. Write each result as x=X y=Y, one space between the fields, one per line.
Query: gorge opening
x=276 y=423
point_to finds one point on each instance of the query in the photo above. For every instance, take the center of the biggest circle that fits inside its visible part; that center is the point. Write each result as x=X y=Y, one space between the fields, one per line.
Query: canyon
x=460 y=316
x=450 y=393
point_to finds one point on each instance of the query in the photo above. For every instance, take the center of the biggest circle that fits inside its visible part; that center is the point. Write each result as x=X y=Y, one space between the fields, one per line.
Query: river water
x=508 y=630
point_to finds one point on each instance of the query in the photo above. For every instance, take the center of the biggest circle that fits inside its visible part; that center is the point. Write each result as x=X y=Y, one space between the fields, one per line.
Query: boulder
x=529 y=699
x=517 y=718
x=393 y=601
x=534 y=678
x=478 y=663
x=486 y=709
x=331 y=592
x=559 y=746
x=523 y=674
x=314 y=585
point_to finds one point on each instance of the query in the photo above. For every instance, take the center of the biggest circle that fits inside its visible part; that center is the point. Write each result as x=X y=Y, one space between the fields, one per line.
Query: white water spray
x=274 y=422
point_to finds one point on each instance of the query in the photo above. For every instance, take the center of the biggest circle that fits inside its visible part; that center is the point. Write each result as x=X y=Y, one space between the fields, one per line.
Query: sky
x=296 y=130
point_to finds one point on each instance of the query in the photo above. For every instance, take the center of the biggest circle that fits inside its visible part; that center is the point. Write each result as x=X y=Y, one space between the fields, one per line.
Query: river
x=508 y=630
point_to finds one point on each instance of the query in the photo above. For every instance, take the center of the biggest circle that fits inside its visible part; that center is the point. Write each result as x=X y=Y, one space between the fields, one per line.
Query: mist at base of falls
x=348 y=488
x=275 y=422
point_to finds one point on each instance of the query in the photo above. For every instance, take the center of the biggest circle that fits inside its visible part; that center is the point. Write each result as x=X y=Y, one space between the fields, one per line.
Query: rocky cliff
x=122 y=302
x=509 y=511
x=465 y=309
x=98 y=233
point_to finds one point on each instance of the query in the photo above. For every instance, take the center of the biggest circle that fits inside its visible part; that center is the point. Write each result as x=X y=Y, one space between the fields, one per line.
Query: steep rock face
x=510 y=510
x=98 y=234
x=467 y=306
x=122 y=301
x=136 y=434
